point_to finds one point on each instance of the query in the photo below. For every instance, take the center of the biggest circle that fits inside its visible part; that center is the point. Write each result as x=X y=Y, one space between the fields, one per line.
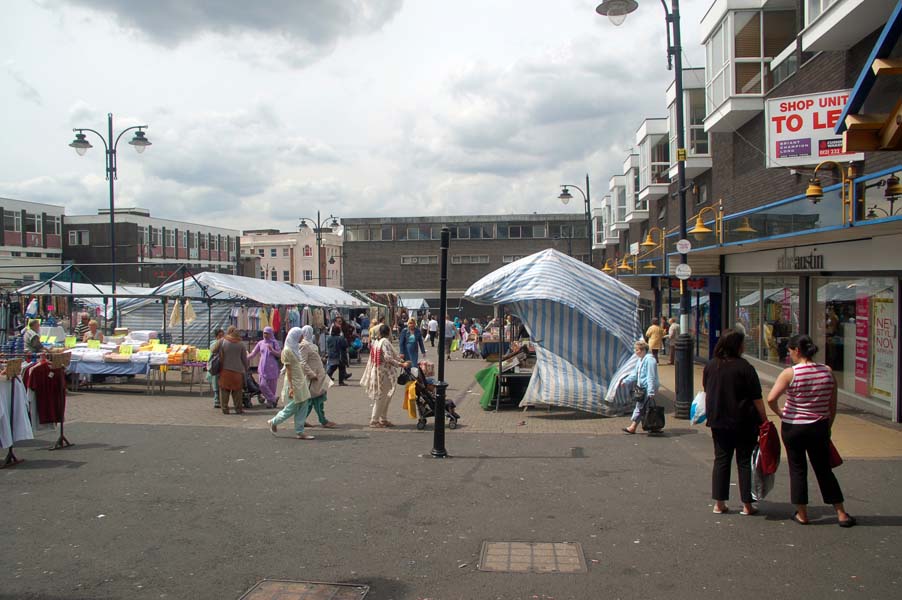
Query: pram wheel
x=452 y=424
x=421 y=424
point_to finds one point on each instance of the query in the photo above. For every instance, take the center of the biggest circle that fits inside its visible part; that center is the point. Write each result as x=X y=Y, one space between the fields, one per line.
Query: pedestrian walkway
x=856 y=434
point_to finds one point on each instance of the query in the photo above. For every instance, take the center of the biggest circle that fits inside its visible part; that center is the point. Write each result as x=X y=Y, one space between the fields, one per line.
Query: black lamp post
x=341 y=258
x=566 y=196
x=318 y=230
x=617 y=11
x=81 y=145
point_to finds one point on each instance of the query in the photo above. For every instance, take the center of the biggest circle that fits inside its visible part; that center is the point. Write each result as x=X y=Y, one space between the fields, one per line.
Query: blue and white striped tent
x=583 y=324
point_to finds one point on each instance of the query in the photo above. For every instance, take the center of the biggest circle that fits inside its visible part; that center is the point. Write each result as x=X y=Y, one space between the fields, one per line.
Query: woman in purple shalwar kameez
x=268 y=350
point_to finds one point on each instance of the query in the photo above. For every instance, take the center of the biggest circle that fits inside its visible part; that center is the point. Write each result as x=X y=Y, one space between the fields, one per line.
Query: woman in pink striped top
x=807 y=416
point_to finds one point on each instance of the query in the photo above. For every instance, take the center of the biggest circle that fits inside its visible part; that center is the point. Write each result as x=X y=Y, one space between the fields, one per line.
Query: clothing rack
x=11 y=459
x=55 y=371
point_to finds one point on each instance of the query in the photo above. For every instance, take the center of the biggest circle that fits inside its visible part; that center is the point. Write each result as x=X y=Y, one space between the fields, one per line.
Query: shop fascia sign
x=800 y=262
x=800 y=129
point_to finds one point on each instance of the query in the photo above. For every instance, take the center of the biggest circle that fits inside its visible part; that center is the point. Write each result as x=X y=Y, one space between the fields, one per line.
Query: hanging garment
x=276 y=321
x=265 y=320
x=176 y=317
x=14 y=422
x=49 y=385
x=190 y=315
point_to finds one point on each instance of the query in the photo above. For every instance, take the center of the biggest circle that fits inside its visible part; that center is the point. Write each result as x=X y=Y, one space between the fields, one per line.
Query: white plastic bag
x=697 y=414
x=761 y=484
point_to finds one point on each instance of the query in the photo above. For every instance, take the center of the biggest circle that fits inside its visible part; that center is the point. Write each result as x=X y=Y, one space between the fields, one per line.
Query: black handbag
x=653 y=420
x=215 y=367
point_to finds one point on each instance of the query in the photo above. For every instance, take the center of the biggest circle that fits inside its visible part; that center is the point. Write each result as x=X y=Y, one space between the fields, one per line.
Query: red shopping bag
x=835 y=458
x=769 y=442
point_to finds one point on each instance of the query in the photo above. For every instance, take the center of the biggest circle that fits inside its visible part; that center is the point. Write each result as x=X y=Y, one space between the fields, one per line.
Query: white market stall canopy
x=583 y=324
x=215 y=286
x=414 y=303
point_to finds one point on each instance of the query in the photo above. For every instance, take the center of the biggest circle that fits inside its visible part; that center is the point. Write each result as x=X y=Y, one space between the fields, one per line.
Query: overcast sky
x=264 y=111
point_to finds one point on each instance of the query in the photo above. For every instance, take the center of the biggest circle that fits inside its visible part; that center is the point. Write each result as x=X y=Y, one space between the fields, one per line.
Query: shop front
x=704 y=311
x=845 y=295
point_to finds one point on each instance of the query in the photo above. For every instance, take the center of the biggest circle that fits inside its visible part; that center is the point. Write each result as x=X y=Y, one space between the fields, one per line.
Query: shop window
x=767 y=310
x=854 y=323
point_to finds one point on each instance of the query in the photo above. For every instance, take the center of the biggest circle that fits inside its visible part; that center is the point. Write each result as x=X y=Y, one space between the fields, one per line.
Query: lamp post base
x=684 y=376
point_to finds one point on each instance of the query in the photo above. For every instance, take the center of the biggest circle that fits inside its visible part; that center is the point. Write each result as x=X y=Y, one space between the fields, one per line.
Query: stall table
x=84 y=367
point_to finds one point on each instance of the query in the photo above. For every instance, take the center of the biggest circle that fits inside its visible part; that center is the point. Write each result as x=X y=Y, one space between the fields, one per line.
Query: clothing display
x=14 y=421
x=49 y=386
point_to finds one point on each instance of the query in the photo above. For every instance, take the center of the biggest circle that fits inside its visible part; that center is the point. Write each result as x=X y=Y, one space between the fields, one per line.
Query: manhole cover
x=277 y=589
x=532 y=557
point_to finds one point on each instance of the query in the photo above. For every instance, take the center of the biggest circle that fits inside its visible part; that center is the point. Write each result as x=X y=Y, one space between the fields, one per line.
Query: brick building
x=30 y=241
x=774 y=256
x=401 y=255
x=148 y=249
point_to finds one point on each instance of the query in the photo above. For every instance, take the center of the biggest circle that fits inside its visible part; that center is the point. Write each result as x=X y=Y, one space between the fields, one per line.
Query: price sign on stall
x=203 y=355
x=70 y=341
x=94 y=344
x=160 y=348
x=51 y=339
x=125 y=350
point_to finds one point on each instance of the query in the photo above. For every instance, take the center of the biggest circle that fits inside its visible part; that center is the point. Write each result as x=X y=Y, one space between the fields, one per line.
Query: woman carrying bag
x=808 y=416
x=645 y=377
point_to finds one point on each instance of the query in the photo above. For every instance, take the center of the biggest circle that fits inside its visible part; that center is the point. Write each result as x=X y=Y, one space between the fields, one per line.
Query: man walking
x=673 y=332
x=433 y=330
x=450 y=334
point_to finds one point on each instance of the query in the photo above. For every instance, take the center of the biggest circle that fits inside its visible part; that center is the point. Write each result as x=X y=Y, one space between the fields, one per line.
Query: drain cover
x=279 y=589
x=532 y=557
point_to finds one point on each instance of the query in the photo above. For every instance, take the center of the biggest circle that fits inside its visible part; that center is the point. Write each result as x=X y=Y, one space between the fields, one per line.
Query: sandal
x=797 y=519
x=749 y=513
x=627 y=430
x=386 y=423
x=329 y=425
x=376 y=425
x=272 y=428
x=725 y=511
x=850 y=522
x=304 y=436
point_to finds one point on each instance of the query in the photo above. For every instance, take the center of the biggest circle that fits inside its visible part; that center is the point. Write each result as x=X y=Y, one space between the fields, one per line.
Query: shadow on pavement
x=381 y=588
x=41 y=463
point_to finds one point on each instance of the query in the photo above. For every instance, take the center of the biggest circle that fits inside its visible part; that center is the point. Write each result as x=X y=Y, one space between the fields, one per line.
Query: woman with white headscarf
x=380 y=376
x=319 y=383
x=295 y=387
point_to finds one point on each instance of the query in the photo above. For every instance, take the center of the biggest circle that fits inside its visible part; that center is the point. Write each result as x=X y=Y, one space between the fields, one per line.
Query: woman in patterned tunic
x=380 y=376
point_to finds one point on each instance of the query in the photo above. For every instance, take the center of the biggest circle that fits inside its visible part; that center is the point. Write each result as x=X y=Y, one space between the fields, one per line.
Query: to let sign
x=800 y=129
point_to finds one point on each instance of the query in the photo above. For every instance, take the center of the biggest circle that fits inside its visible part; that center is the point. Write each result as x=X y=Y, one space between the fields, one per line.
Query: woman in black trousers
x=734 y=409
x=808 y=416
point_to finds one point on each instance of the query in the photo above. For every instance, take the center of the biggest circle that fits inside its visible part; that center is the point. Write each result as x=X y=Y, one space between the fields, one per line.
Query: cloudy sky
x=262 y=112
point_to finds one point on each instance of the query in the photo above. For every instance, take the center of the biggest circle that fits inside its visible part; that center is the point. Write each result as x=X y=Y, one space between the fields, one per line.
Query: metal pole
x=111 y=175
x=182 y=300
x=438 y=437
x=500 y=355
x=319 y=249
x=683 y=349
x=590 y=235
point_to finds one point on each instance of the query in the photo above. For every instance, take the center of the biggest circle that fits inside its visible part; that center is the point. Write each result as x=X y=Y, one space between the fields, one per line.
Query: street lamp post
x=81 y=145
x=341 y=278
x=566 y=196
x=318 y=230
x=617 y=11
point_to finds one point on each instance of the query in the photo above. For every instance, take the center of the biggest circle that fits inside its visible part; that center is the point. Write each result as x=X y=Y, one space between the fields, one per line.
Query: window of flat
x=54 y=225
x=284 y=251
x=32 y=223
x=261 y=252
x=815 y=8
x=79 y=237
x=419 y=260
x=510 y=258
x=308 y=251
x=286 y=276
x=273 y=252
x=470 y=259
x=698 y=138
x=274 y=275
x=308 y=275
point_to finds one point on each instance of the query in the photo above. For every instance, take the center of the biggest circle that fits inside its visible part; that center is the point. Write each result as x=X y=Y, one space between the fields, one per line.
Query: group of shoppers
x=661 y=331
x=735 y=410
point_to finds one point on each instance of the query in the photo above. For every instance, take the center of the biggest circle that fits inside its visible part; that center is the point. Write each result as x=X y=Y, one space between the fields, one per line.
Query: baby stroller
x=469 y=348
x=355 y=348
x=425 y=389
x=251 y=390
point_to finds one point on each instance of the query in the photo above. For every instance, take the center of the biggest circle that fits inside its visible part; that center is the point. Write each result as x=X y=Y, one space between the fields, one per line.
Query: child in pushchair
x=251 y=390
x=425 y=391
x=469 y=348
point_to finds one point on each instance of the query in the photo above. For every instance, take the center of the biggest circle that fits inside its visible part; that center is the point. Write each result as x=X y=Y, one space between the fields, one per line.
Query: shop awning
x=872 y=118
x=414 y=303
x=332 y=297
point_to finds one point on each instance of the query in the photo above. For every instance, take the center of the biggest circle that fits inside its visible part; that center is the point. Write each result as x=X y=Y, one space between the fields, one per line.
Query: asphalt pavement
x=196 y=511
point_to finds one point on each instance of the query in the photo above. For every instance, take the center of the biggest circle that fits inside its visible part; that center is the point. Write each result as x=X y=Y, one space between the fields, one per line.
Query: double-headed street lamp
x=617 y=11
x=566 y=196
x=318 y=230
x=82 y=145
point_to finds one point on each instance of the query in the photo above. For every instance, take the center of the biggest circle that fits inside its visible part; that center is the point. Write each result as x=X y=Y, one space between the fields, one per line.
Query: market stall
x=582 y=323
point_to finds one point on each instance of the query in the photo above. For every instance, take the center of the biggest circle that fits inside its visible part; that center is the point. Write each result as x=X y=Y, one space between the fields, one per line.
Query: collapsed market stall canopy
x=583 y=324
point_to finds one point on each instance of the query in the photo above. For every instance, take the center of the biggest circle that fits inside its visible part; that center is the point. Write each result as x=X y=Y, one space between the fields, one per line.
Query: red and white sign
x=800 y=129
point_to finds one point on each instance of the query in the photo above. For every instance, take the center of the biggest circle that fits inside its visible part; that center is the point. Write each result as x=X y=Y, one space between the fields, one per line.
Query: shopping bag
x=455 y=345
x=697 y=414
x=835 y=458
x=653 y=421
x=769 y=446
x=761 y=484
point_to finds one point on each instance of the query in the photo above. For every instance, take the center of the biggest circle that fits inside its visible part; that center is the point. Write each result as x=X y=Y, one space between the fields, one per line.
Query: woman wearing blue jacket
x=411 y=342
x=645 y=377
